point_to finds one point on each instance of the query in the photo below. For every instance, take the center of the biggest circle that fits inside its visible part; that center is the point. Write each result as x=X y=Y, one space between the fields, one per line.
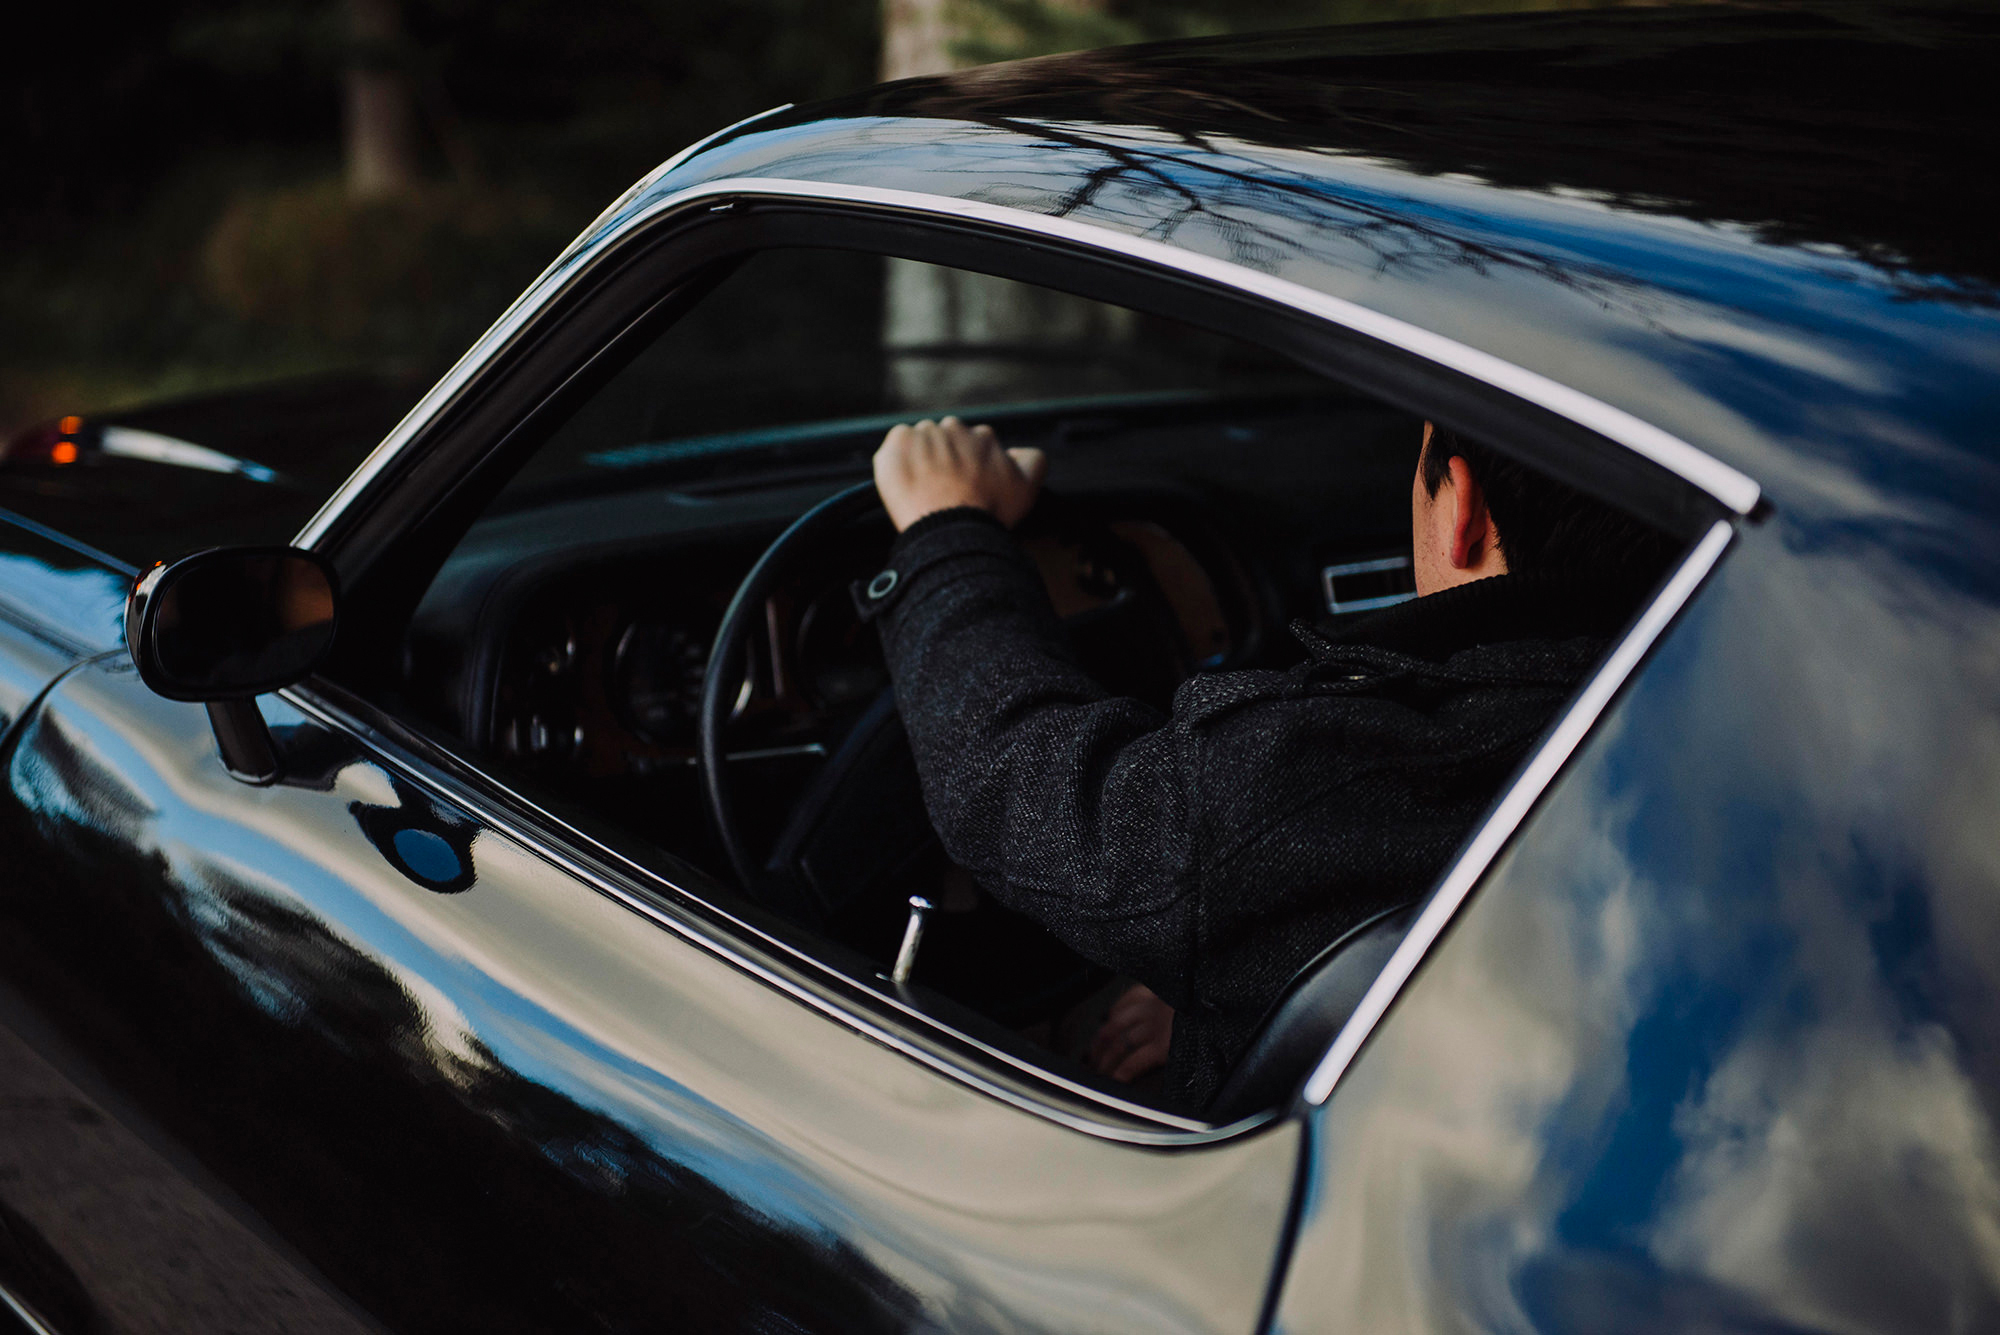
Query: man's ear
x=1471 y=528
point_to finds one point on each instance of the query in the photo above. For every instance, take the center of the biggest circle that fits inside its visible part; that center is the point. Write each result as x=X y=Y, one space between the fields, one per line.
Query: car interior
x=640 y=626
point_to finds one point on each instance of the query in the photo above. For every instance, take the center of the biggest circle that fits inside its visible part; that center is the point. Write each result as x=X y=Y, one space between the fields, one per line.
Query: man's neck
x=1443 y=575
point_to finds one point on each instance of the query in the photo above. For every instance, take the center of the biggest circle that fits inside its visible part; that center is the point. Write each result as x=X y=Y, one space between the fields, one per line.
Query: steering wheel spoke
x=752 y=613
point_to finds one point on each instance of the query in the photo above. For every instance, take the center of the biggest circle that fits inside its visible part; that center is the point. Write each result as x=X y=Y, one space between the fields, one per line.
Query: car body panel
x=357 y=1001
x=1714 y=1047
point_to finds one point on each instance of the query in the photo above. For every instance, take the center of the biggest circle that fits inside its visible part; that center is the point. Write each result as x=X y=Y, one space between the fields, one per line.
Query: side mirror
x=225 y=625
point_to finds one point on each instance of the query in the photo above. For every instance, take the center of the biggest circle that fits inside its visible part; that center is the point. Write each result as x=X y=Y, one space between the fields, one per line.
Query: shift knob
x=913 y=936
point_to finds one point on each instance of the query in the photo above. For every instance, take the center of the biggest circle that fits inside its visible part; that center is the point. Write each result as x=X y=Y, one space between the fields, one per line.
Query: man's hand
x=936 y=466
x=1134 y=1037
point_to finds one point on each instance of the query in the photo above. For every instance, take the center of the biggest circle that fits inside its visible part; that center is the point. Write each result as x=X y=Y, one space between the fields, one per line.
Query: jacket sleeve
x=1063 y=801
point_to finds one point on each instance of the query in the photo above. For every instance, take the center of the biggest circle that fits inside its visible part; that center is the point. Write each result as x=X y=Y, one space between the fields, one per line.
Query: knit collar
x=1493 y=610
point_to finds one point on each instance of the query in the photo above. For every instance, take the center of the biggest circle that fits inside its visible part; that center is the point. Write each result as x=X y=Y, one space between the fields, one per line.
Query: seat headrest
x=1303 y=1022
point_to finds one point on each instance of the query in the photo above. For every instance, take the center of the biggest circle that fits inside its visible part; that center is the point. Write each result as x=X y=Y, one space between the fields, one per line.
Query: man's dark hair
x=1541 y=525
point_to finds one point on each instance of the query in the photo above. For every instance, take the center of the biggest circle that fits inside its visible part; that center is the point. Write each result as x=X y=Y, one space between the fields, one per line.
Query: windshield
x=803 y=358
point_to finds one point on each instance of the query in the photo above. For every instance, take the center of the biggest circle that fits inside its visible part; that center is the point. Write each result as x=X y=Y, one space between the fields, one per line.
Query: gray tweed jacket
x=1212 y=851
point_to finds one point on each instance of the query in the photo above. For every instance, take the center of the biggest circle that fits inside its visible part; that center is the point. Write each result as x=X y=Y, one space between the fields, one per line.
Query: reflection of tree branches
x=1811 y=125
x=1238 y=193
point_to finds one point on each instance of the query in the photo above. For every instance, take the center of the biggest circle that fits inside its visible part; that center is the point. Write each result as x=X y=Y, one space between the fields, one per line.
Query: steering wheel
x=859 y=840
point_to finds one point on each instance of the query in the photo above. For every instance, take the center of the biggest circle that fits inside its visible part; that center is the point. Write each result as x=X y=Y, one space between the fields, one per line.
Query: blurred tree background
x=217 y=192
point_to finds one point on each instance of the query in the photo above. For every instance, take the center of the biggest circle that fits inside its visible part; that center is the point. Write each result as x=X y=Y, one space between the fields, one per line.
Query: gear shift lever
x=913 y=935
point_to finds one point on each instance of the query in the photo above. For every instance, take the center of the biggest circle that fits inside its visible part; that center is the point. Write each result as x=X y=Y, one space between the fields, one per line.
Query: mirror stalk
x=248 y=752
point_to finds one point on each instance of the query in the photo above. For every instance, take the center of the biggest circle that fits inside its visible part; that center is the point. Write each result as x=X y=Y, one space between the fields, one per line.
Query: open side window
x=1219 y=469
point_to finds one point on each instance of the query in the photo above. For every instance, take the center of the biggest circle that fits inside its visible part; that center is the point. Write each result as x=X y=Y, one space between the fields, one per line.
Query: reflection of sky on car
x=1729 y=1021
x=85 y=600
x=770 y=1167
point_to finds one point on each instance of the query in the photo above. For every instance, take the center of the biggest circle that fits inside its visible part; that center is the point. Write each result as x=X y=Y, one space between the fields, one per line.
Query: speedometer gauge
x=656 y=675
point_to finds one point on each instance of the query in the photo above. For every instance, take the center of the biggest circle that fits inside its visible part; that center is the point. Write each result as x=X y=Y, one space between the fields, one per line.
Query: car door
x=479 y=1081
x=431 y=1057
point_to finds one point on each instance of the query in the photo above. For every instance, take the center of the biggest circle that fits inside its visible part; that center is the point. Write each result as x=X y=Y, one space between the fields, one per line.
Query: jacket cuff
x=937 y=538
x=937 y=519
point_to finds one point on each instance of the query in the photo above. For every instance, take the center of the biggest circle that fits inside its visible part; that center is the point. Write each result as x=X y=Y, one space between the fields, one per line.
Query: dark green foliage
x=173 y=218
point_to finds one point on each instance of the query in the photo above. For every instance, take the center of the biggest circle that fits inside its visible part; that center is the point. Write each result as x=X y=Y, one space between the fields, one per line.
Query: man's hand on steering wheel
x=934 y=466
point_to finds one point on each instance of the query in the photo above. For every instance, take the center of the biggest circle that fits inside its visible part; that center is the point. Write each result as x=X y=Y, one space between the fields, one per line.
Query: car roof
x=1767 y=231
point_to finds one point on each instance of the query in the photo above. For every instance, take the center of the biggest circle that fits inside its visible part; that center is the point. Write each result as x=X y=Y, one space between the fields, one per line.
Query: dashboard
x=593 y=666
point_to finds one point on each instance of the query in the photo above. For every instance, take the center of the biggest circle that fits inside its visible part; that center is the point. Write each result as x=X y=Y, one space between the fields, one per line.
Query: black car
x=469 y=896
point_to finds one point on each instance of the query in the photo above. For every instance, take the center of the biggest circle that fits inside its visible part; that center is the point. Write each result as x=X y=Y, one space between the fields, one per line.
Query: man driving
x=1210 y=852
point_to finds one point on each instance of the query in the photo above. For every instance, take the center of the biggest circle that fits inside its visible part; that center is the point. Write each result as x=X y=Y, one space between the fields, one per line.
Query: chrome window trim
x=1513 y=808
x=1172 y=1129
x=1729 y=487
x=639 y=186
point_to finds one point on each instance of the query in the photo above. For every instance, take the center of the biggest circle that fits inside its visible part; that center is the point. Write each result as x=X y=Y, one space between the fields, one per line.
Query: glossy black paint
x=1714 y=1047
x=492 y=1097
x=259 y=1034
x=1713 y=1050
x=63 y=591
x=1829 y=125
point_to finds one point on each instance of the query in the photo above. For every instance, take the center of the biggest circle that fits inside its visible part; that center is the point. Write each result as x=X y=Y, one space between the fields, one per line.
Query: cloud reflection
x=1716 y=1048
x=81 y=599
